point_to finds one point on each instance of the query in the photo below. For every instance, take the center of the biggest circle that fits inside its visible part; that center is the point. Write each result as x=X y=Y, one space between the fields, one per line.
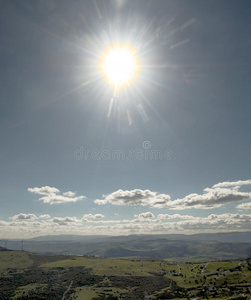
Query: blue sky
x=171 y=153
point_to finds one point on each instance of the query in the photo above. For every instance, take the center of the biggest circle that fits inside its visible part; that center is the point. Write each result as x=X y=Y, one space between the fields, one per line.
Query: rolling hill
x=196 y=247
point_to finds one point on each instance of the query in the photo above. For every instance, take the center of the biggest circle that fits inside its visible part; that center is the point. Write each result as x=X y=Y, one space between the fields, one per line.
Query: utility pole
x=22 y=245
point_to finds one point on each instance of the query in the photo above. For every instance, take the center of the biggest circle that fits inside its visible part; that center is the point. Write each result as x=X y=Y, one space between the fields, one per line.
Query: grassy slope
x=89 y=292
x=194 y=274
x=115 y=267
x=23 y=290
x=14 y=260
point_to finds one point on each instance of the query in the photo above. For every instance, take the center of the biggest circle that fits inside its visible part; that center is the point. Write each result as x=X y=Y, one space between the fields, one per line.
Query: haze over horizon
x=168 y=154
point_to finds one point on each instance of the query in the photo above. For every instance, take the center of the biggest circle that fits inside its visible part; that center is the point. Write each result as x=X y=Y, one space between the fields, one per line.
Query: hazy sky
x=170 y=153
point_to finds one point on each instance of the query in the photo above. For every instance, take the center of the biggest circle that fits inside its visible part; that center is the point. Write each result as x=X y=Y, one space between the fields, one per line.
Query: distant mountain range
x=233 y=245
x=233 y=237
x=68 y=237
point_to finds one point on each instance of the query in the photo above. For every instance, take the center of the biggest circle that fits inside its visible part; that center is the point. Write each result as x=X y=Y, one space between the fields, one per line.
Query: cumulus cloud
x=220 y=194
x=146 y=215
x=232 y=183
x=4 y=224
x=174 y=216
x=211 y=198
x=44 y=216
x=44 y=190
x=65 y=221
x=218 y=223
x=69 y=194
x=228 y=216
x=135 y=197
x=91 y=216
x=50 y=195
x=246 y=205
x=58 y=199
x=22 y=216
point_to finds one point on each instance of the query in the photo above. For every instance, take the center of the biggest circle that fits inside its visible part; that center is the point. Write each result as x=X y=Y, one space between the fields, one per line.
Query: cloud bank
x=30 y=225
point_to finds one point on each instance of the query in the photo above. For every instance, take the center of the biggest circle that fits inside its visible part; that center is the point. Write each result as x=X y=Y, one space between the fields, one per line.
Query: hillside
x=32 y=276
x=4 y=249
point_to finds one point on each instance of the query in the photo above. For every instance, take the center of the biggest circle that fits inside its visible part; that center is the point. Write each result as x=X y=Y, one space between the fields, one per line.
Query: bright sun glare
x=119 y=65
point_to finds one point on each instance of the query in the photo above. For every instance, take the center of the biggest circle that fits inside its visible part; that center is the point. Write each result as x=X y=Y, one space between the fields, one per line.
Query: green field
x=15 y=260
x=88 y=293
x=24 y=290
x=116 y=267
x=24 y=275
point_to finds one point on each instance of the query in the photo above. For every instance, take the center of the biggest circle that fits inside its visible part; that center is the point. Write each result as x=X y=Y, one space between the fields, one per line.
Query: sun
x=119 y=65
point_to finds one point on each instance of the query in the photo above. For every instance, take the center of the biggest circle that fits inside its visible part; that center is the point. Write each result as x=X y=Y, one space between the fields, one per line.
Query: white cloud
x=91 y=216
x=69 y=194
x=44 y=190
x=58 y=199
x=232 y=183
x=246 y=205
x=73 y=225
x=212 y=198
x=228 y=216
x=22 y=216
x=65 y=221
x=175 y=216
x=51 y=197
x=44 y=216
x=87 y=217
x=135 y=197
x=213 y=222
x=3 y=223
x=145 y=215
x=98 y=216
x=220 y=194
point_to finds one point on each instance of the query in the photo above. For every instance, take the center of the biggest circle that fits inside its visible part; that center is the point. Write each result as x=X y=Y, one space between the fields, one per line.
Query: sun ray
x=110 y=108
